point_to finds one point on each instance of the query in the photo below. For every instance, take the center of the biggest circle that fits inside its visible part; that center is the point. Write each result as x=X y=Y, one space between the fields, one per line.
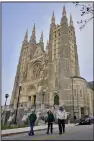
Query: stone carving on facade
x=37 y=68
x=24 y=75
x=41 y=74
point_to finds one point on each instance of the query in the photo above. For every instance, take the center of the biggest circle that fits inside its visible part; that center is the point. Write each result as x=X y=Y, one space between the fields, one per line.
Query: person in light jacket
x=61 y=115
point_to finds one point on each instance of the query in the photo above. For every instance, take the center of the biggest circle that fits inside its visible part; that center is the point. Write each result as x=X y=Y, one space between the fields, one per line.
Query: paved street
x=72 y=133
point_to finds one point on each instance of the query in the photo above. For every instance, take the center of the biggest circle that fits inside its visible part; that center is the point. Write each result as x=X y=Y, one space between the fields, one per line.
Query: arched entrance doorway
x=31 y=92
x=56 y=99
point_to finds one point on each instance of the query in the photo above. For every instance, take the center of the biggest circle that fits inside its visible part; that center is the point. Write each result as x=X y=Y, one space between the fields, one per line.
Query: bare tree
x=86 y=9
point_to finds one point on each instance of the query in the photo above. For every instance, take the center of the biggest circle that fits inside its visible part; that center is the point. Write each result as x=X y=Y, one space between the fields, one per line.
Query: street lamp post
x=15 y=121
x=43 y=94
x=35 y=101
x=6 y=96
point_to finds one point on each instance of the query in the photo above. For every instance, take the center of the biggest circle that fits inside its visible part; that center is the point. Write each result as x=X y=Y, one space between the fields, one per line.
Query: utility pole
x=6 y=96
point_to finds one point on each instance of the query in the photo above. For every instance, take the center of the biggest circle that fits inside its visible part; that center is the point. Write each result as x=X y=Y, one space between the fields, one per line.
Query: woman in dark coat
x=50 y=120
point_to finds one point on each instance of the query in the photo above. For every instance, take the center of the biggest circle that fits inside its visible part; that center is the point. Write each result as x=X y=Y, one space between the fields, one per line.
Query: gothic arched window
x=37 y=68
x=56 y=100
x=80 y=93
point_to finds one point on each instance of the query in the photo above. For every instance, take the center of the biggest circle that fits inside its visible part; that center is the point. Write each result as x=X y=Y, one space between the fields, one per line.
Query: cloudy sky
x=17 y=17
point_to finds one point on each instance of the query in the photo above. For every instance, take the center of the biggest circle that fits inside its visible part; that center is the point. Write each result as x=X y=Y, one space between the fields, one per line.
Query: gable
x=38 y=52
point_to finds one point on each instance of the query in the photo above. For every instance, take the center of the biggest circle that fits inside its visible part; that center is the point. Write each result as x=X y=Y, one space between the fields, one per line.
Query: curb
x=3 y=135
x=8 y=134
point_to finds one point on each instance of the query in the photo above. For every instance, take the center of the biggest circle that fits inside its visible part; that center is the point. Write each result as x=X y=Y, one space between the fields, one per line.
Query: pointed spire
x=70 y=17
x=41 y=38
x=25 y=41
x=33 y=32
x=53 y=14
x=41 y=41
x=33 y=37
x=64 y=11
x=71 y=21
x=26 y=36
x=53 y=18
x=34 y=27
x=64 y=17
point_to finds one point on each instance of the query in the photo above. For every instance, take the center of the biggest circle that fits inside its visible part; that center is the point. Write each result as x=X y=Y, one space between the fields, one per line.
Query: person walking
x=61 y=115
x=50 y=120
x=32 y=119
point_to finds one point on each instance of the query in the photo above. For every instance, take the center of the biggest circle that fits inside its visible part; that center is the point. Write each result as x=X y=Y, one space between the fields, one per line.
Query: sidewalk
x=26 y=129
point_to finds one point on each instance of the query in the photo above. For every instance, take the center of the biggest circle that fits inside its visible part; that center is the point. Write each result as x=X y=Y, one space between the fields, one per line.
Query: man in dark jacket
x=32 y=119
x=50 y=120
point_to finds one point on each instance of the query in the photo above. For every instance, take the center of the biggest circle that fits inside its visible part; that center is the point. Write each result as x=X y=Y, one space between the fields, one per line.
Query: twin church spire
x=64 y=14
x=33 y=36
x=53 y=16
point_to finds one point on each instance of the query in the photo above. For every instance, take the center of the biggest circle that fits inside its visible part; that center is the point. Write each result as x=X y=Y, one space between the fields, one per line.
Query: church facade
x=52 y=76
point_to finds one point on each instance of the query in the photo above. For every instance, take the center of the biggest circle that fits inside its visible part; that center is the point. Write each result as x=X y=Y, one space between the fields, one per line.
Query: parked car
x=92 y=119
x=86 y=120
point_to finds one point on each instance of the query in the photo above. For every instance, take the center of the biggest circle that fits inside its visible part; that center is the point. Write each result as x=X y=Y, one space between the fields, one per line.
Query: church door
x=56 y=100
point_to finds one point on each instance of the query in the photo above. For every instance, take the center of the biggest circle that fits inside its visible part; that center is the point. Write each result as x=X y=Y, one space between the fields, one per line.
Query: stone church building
x=51 y=75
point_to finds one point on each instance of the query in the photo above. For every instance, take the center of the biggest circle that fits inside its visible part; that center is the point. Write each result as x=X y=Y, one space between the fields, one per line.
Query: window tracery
x=36 y=70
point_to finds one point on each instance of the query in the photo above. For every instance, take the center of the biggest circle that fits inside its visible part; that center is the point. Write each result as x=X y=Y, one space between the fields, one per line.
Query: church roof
x=79 y=77
x=91 y=84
